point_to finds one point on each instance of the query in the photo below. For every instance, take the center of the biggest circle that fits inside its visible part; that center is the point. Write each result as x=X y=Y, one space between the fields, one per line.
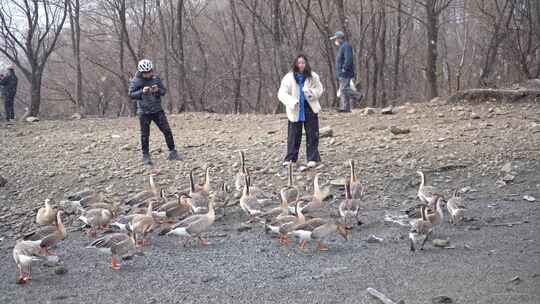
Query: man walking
x=9 y=90
x=345 y=72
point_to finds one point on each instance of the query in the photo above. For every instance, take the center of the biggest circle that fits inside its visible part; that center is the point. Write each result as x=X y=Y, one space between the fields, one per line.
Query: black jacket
x=147 y=103
x=9 y=84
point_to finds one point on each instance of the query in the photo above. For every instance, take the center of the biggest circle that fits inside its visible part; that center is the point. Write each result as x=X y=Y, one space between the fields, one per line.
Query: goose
x=26 y=252
x=318 y=229
x=198 y=197
x=291 y=191
x=48 y=235
x=420 y=227
x=193 y=226
x=283 y=224
x=142 y=224
x=425 y=193
x=315 y=201
x=176 y=209
x=46 y=215
x=282 y=210
x=96 y=218
x=348 y=208
x=357 y=190
x=456 y=208
x=115 y=244
x=248 y=201
x=221 y=197
x=239 y=181
x=435 y=215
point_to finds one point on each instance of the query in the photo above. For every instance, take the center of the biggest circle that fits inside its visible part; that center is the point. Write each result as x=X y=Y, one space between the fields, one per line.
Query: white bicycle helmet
x=145 y=65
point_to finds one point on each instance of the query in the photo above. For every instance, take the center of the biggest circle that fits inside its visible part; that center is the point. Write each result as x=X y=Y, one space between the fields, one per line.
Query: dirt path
x=448 y=142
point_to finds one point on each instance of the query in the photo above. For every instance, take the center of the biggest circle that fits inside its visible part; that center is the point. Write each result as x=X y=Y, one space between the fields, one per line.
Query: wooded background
x=228 y=56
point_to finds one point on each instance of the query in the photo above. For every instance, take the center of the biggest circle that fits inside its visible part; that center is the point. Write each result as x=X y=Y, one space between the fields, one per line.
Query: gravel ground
x=249 y=266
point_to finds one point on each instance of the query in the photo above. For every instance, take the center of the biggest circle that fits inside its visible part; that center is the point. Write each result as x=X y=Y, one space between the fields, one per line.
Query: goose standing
x=348 y=208
x=420 y=227
x=26 y=252
x=198 y=197
x=357 y=189
x=456 y=208
x=48 y=235
x=46 y=215
x=193 y=226
x=248 y=201
x=425 y=193
x=115 y=244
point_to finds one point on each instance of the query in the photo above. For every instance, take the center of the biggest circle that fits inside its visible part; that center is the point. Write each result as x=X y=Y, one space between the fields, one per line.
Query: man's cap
x=338 y=34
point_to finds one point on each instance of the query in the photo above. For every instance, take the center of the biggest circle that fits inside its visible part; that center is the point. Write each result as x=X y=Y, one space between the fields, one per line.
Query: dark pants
x=294 y=139
x=160 y=120
x=9 y=102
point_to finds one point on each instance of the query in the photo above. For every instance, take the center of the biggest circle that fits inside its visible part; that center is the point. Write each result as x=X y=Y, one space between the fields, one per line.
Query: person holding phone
x=146 y=90
x=300 y=91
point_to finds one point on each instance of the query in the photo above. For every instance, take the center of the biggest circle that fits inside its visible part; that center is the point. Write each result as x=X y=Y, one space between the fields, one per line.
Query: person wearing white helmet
x=146 y=90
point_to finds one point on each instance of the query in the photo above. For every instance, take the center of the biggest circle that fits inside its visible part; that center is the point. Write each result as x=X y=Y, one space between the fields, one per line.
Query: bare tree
x=74 y=9
x=44 y=21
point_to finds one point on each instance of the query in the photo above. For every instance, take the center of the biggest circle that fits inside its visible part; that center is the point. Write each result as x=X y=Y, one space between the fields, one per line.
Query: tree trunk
x=395 y=86
x=165 y=50
x=35 y=92
x=183 y=99
x=432 y=24
x=74 y=13
x=343 y=19
x=383 y=55
x=279 y=56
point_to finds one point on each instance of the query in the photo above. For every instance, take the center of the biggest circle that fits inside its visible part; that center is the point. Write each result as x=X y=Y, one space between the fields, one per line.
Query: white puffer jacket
x=289 y=94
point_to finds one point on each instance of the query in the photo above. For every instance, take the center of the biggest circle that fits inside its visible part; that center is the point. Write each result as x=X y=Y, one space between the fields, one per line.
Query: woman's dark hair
x=307 y=69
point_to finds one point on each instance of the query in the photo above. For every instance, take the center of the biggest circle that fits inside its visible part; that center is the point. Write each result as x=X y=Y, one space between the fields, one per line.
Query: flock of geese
x=190 y=215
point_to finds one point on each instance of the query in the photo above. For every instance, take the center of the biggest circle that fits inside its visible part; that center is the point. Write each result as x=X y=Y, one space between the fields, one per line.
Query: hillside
x=489 y=151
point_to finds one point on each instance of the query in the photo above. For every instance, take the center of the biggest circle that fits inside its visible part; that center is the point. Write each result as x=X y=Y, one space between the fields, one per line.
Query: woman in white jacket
x=300 y=91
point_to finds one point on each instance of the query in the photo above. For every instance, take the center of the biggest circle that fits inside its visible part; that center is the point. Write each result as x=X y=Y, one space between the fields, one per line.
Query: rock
x=32 y=119
x=76 y=116
x=507 y=167
x=70 y=207
x=440 y=243
x=475 y=115
x=387 y=110
x=243 y=227
x=326 y=132
x=472 y=228
x=3 y=181
x=368 y=111
x=396 y=131
x=60 y=270
x=441 y=299
x=411 y=111
x=374 y=239
x=125 y=147
x=508 y=178
x=79 y=195
x=438 y=101
x=338 y=181
x=535 y=128
x=529 y=198
x=302 y=168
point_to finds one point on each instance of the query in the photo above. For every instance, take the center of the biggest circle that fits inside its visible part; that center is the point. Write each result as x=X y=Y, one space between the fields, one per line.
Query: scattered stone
x=243 y=227
x=535 y=128
x=472 y=228
x=326 y=132
x=507 y=167
x=529 y=198
x=3 y=181
x=516 y=280
x=302 y=168
x=76 y=116
x=70 y=207
x=368 y=111
x=441 y=299
x=396 y=131
x=411 y=111
x=79 y=195
x=508 y=178
x=32 y=119
x=374 y=239
x=440 y=243
x=272 y=131
x=475 y=115
x=338 y=182
x=125 y=147
x=60 y=270
x=388 y=110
